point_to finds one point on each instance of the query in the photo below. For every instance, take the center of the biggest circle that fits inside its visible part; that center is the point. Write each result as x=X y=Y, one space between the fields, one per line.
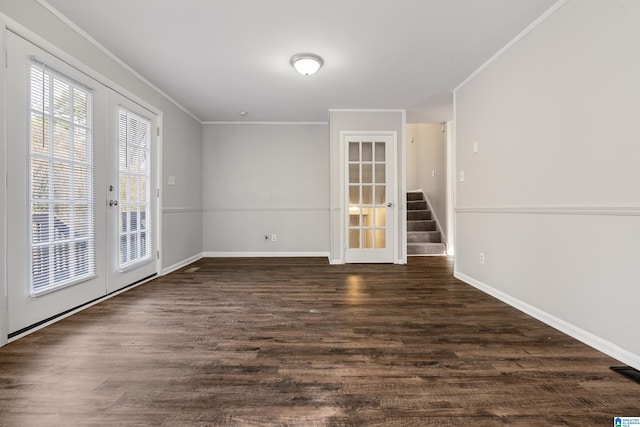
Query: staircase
x=422 y=237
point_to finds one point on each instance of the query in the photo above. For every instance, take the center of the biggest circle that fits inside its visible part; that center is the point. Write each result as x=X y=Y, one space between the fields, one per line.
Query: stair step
x=414 y=196
x=417 y=205
x=427 y=225
x=426 y=249
x=423 y=237
x=418 y=215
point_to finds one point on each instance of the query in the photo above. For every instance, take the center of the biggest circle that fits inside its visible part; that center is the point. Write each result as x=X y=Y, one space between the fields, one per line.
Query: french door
x=63 y=151
x=370 y=195
x=131 y=196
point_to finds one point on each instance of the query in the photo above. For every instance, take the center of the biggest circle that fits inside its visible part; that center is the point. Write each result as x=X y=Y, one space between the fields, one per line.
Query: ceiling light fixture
x=307 y=64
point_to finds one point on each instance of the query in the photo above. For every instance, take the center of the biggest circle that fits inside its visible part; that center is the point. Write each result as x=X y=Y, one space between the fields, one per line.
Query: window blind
x=134 y=188
x=62 y=181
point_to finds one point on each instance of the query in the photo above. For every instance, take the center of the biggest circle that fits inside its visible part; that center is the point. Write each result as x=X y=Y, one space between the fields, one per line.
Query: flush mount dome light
x=306 y=64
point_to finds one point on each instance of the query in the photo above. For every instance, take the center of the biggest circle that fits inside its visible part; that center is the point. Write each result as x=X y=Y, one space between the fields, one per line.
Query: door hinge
x=6 y=59
x=158 y=193
x=158 y=129
x=158 y=254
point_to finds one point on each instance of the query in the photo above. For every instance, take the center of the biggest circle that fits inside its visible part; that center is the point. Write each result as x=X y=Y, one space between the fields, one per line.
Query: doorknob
x=389 y=205
x=113 y=203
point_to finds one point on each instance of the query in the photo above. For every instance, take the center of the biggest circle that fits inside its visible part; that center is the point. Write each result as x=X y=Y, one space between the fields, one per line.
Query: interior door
x=370 y=195
x=55 y=170
x=132 y=195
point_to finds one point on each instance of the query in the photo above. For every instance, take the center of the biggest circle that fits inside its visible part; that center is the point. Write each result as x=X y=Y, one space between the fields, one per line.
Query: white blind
x=134 y=188
x=62 y=182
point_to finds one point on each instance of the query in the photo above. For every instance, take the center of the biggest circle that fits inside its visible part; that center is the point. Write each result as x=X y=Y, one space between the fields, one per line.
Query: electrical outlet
x=481 y=259
x=274 y=238
x=461 y=176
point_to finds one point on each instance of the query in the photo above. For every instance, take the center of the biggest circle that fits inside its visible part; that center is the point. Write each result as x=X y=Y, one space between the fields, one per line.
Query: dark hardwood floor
x=299 y=342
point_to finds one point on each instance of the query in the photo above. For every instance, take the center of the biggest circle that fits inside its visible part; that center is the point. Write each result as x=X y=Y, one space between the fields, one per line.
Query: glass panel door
x=131 y=193
x=369 y=198
x=56 y=168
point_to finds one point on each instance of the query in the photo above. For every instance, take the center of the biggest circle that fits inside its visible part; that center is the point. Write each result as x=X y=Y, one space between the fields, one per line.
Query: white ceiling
x=219 y=57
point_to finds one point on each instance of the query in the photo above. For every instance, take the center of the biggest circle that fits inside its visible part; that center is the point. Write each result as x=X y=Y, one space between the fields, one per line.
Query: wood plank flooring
x=297 y=342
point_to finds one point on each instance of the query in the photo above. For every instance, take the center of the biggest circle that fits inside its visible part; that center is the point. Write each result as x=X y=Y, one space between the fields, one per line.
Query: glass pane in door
x=63 y=236
x=135 y=197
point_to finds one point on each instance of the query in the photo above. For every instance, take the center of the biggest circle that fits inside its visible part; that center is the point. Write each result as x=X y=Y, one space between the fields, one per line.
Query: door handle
x=113 y=203
x=389 y=205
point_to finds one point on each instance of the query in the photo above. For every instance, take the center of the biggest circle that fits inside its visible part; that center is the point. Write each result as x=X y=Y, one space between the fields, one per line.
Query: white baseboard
x=265 y=254
x=79 y=309
x=181 y=264
x=600 y=344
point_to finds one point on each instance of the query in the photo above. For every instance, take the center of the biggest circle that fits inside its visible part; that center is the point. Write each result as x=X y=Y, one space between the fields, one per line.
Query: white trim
x=265 y=254
x=530 y=28
x=336 y=261
x=159 y=189
x=450 y=186
x=79 y=309
x=4 y=300
x=112 y=55
x=586 y=337
x=262 y=123
x=181 y=264
x=400 y=216
x=608 y=210
x=176 y=210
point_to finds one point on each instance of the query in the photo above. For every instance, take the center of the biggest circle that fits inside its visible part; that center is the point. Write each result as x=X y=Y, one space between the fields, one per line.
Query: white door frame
x=393 y=183
x=4 y=303
x=451 y=183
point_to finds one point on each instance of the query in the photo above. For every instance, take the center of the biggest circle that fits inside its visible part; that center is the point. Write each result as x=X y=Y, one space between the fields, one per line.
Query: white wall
x=427 y=167
x=552 y=195
x=264 y=179
x=181 y=137
x=182 y=202
x=359 y=121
